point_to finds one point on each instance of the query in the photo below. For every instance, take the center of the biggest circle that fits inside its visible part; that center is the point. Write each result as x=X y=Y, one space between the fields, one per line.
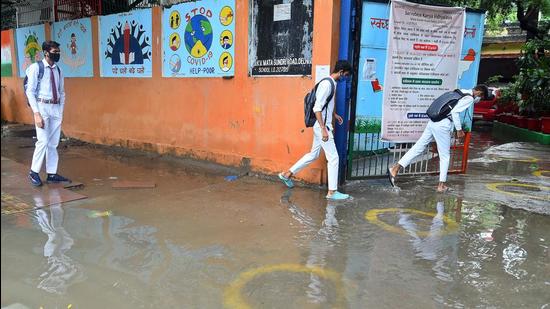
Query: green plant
x=531 y=87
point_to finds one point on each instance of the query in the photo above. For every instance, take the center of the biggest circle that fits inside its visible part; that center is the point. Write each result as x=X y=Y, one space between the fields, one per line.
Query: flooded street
x=202 y=240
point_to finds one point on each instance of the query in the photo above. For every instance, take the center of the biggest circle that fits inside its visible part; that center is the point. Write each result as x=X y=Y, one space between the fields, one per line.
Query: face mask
x=344 y=78
x=54 y=56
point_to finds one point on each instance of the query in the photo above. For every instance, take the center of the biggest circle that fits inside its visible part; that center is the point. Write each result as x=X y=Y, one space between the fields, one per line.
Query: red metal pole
x=56 y=18
x=466 y=151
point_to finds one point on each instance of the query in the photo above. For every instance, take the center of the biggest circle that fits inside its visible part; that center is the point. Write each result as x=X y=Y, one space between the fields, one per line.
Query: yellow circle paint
x=526 y=160
x=372 y=217
x=234 y=299
x=540 y=173
x=495 y=187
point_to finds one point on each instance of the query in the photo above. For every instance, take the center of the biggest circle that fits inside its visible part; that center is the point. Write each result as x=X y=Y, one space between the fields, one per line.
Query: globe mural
x=198 y=36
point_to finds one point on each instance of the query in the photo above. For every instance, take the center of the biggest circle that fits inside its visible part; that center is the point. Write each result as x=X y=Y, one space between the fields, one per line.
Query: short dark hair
x=484 y=89
x=342 y=65
x=225 y=37
x=47 y=45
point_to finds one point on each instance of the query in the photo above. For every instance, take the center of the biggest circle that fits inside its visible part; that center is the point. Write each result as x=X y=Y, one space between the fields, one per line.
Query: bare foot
x=442 y=188
x=394 y=170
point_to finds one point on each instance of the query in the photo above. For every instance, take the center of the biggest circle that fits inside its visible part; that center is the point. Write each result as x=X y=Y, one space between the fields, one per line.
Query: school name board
x=424 y=49
x=198 y=39
x=281 y=38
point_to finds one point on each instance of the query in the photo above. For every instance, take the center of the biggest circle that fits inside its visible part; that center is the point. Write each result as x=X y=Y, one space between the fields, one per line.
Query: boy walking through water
x=323 y=136
x=441 y=132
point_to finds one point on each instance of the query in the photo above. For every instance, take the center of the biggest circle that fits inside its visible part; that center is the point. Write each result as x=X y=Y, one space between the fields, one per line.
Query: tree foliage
x=526 y=11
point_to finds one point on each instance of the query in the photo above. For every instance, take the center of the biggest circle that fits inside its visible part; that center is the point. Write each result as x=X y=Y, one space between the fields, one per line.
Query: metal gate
x=368 y=159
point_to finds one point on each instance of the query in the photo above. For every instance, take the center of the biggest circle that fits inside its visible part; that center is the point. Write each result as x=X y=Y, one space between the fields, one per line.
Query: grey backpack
x=442 y=106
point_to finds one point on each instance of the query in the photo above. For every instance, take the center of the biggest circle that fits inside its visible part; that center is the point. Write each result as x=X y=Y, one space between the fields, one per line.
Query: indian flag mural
x=6 y=54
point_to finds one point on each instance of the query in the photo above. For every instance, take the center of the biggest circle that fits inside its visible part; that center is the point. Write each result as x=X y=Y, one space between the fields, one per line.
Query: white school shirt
x=461 y=106
x=323 y=91
x=45 y=91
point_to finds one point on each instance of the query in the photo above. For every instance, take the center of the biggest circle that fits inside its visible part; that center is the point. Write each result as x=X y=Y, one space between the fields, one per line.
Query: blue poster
x=75 y=39
x=28 y=42
x=125 y=44
x=198 y=39
x=470 y=58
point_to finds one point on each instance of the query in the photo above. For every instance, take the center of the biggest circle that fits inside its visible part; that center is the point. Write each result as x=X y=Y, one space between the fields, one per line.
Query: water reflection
x=61 y=271
x=322 y=242
x=437 y=246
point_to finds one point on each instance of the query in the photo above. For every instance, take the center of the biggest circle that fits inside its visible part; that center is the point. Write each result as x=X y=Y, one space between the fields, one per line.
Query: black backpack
x=309 y=102
x=442 y=106
x=40 y=75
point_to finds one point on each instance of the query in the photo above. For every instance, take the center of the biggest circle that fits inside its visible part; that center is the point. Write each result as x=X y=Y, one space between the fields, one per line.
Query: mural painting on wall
x=125 y=44
x=75 y=39
x=198 y=39
x=281 y=36
x=29 y=46
x=6 y=54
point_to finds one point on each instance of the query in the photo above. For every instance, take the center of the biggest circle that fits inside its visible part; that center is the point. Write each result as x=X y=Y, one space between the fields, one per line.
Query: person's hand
x=325 y=134
x=38 y=120
x=460 y=134
x=339 y=119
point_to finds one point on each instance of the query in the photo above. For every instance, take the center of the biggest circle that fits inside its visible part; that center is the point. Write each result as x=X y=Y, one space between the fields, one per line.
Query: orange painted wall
x=222 y=120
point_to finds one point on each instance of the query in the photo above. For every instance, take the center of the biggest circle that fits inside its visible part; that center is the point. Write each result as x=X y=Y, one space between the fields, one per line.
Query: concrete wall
x=222 y=120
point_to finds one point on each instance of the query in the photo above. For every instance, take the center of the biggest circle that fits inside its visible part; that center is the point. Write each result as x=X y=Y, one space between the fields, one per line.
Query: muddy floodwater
x=200 y=239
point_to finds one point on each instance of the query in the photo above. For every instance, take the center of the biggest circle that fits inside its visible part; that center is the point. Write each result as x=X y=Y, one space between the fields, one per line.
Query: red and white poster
x=424 y=46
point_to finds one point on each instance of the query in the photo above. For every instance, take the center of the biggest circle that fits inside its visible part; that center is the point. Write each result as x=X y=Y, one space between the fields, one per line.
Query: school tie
x=54 y=88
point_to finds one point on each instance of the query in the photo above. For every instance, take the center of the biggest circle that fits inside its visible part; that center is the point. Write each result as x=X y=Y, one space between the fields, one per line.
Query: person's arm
x=61 y=89
x=323 y=91
x=461 y=106
x=32 y=82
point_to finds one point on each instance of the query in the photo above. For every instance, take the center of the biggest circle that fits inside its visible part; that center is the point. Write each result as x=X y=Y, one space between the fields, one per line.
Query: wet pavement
x=202 y=240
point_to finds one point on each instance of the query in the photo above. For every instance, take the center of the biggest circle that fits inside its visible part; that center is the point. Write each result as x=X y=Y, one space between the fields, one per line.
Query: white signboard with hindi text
x=424 y=47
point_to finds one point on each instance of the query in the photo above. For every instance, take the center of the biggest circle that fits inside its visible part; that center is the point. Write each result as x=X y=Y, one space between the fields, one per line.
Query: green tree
x=526 y=11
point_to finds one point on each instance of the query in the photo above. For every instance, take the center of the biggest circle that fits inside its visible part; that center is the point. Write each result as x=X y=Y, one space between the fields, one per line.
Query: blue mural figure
x=198 y=36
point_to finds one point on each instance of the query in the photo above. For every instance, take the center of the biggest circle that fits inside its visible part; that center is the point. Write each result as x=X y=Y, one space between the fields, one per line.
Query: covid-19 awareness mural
x=125 y=44
x=29 y=46
x=75 y=42
x=198 y=39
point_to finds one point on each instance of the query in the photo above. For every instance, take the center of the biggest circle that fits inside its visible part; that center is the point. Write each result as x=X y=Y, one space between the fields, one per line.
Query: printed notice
x=281 y=12
x=423 y=55
x=321 y=71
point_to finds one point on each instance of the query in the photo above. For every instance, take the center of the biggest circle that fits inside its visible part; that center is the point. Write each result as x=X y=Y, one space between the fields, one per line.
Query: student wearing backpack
x=323 y=129
x=44 y=87
x=440 y=130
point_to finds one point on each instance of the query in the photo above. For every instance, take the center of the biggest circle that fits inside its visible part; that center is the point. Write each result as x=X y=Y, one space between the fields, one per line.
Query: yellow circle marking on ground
x=540 y=173
x=372 y=216
x=528 y=160
x=234 y=299
x=495 y=187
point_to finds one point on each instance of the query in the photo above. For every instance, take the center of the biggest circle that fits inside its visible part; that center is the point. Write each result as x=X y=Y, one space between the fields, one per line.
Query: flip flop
x=391 y=178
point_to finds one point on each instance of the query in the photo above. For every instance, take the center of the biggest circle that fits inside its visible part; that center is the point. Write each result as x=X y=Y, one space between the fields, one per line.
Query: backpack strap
x=331 y=94
x=40 y=75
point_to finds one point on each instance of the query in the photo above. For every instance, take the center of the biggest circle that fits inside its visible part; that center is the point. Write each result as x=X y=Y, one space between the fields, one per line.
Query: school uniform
x=440 y=132
x=49 y=101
